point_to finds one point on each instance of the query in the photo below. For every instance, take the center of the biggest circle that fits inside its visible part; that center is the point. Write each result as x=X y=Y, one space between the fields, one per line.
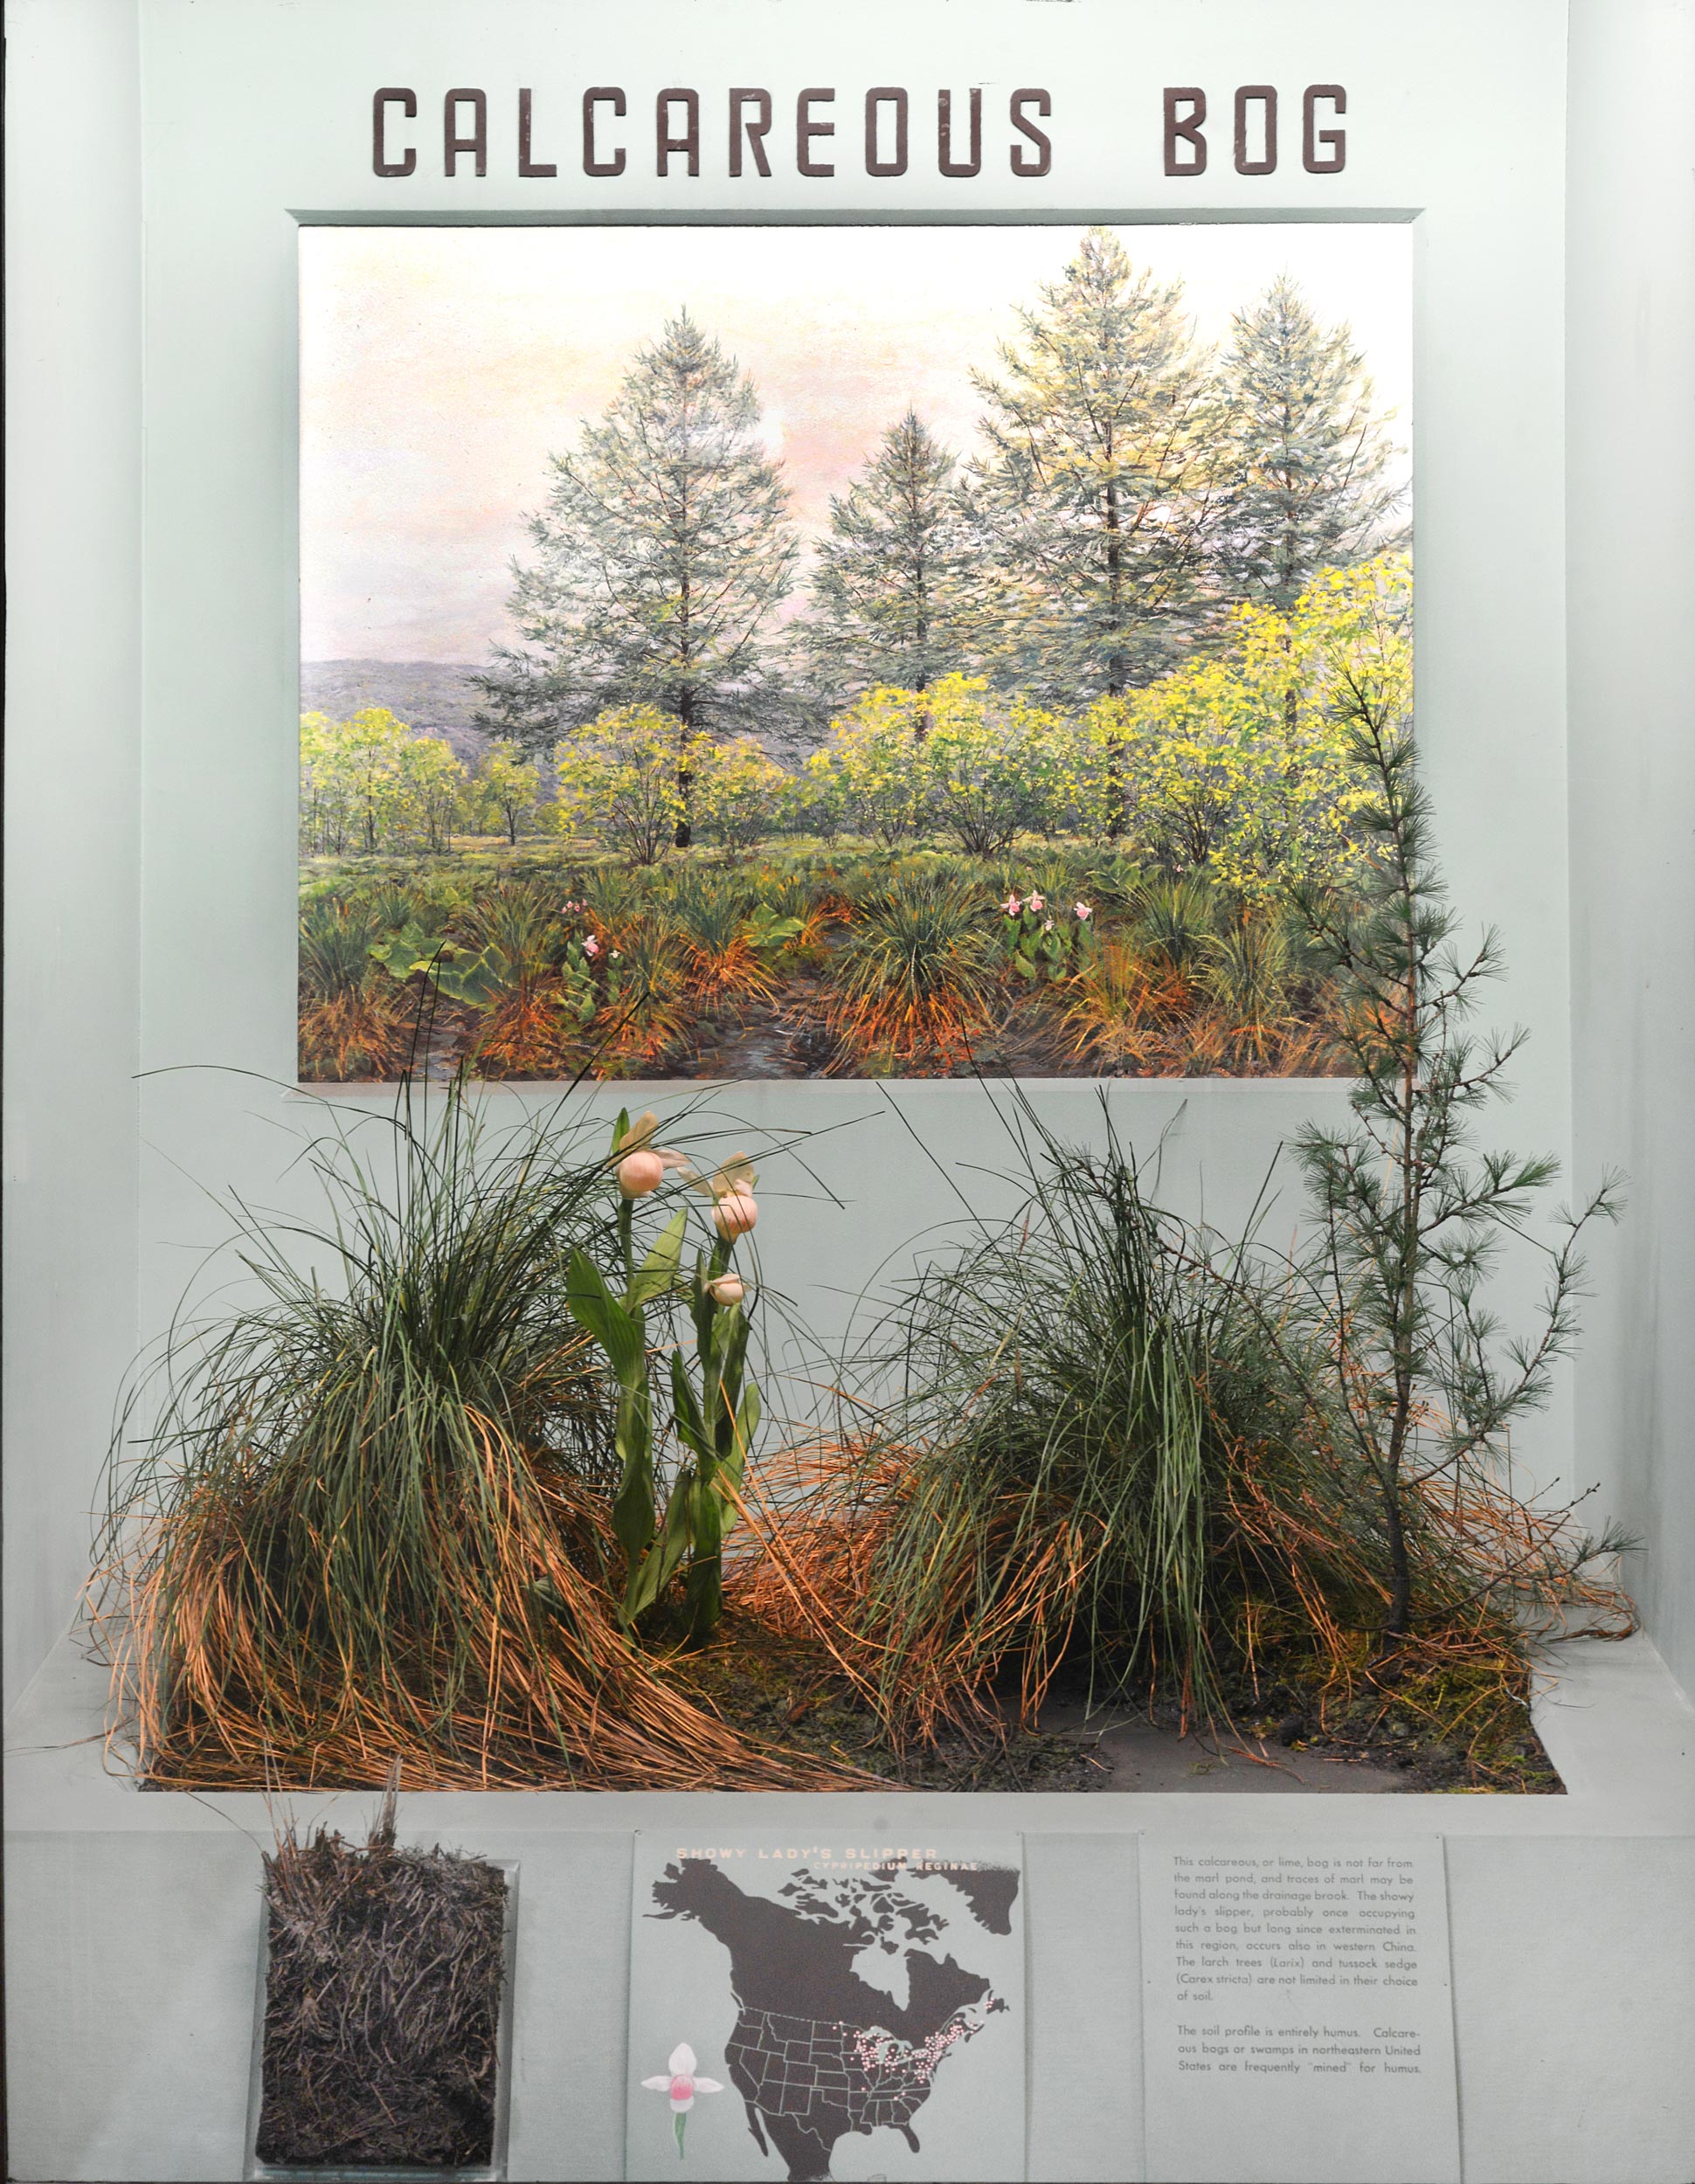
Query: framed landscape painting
x=787 y=652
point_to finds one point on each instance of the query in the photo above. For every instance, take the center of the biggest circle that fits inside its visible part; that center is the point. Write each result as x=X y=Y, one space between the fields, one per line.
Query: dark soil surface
x=1365 y=1748
x=1279 y=1741
x=381 y=2007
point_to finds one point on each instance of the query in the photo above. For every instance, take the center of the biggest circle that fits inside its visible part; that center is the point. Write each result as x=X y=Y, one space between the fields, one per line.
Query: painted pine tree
x=662 y=551
x=1095 y=481
x=897 y=596
x=1307 y=455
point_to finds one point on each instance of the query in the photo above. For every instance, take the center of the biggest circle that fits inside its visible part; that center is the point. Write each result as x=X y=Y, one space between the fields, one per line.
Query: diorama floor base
x=133 y=1921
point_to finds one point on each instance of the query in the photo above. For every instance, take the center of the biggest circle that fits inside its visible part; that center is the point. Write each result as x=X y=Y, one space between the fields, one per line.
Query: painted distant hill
x=437 y=697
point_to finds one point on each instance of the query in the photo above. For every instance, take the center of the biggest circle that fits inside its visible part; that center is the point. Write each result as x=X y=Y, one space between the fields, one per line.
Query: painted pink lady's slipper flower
x=590 y=946
x=1047 y=925
x=735 y=1213
x=682 y=2083
x=1083 y=911
x=1011 y=906
x=727 y=1289
x=1038 y=901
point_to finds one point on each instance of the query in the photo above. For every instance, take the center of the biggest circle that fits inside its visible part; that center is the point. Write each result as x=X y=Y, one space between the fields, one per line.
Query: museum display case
x=775 y=1119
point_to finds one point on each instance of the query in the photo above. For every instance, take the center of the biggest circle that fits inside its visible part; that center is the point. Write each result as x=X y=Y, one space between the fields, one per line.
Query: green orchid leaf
x=747 y=1424
x=665 y=1558
x=691 y=1427
x=618 y=1331
x=658 y=1271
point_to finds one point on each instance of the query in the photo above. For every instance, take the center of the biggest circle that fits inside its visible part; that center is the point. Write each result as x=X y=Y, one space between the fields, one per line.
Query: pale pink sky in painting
x=441 y=367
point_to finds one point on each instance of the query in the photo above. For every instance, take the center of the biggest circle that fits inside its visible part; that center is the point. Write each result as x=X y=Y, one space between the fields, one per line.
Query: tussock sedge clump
x=1042 y=1481
x=350 y=1025
x=367 y=1516
x=1110 y=1446
x=916 y=977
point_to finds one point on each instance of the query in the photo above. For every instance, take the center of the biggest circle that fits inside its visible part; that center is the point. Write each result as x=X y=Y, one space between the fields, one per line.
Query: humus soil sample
x=382 y=2005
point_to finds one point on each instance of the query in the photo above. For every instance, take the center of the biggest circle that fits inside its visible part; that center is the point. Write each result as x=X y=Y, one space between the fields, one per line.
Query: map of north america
x=820 y=2051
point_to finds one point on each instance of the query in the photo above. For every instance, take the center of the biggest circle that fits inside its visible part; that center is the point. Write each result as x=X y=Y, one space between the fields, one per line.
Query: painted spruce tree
x=1095 y=485
x=1305 y=454
x=895 y=594
x=1423 y=1384
x=664 y=547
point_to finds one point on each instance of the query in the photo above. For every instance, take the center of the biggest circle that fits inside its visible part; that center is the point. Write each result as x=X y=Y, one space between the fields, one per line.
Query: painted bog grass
x=845 y=959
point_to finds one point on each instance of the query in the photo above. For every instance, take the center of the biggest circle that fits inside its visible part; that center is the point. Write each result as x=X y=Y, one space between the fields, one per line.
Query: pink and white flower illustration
x=1011 y=906
x=1083 y=911
x=681 y=2082
x=590 y=946
x=1038 y=902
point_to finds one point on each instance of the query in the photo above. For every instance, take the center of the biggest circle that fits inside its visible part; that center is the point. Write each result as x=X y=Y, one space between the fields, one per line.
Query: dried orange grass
x=736 y=971
x=1494 y=1565
x=1132 y=1015
x=351 y=1036
x=552 y=1697
x=523 y=1036
x=817 y=1578
x=1464 y=1670
x=932 y=1027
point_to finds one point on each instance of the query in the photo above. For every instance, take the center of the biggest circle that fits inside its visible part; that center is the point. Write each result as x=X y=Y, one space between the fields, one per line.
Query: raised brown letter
x=451 y=143
x=806 y=128
x=1335 y=140
x=601 y=93
x=757 y=131
x=1267 y=97
x=885 y=94
x=526 y=167
x=1186 y=128
x=945 y=157
x=1022 y=163
x=380 y=162
x=689 y=141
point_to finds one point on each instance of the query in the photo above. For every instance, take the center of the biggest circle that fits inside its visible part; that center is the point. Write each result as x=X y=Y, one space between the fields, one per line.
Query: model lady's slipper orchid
x=640 y=1172
x=1084 y=913
x=727 y=1289
x=681 y=2084
x=638 y=1163
x=735 y=1213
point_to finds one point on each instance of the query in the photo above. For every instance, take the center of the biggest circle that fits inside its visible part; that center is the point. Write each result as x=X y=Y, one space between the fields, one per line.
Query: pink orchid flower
x=641 y=1171
x=1011 y=906
x=1047 y=925
x=590 y=946
x=682 y=2083
x=734 y=1214
x=1038 y=901
x=1083 y=911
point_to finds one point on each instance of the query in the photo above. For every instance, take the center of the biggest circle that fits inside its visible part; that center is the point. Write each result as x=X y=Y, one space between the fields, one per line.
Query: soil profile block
x=384 y=1981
